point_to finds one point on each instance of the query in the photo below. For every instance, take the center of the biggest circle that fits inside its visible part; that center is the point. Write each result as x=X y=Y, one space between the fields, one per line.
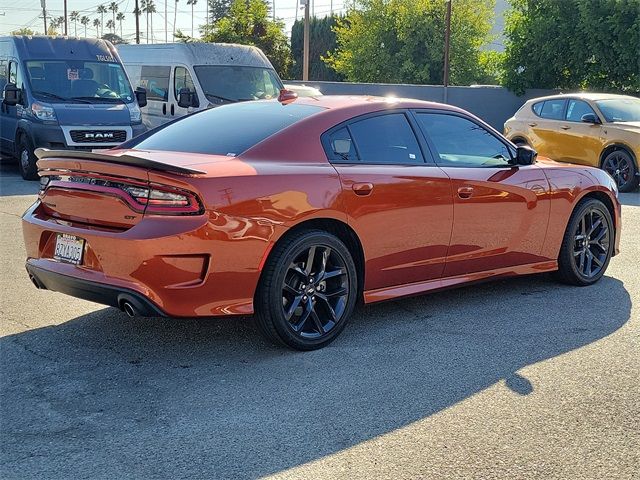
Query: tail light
x=163 y=200
x=141 y=197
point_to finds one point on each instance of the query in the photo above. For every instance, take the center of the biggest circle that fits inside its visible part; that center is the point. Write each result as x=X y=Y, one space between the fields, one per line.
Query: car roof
x=370 y=103
x=581 y=95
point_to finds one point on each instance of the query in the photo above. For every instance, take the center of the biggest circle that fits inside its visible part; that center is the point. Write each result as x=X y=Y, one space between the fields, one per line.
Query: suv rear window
x=226 y=130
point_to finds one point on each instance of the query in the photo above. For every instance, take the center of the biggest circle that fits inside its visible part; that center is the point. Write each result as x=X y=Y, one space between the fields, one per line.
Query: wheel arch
x=338 y=228
x=612 y=147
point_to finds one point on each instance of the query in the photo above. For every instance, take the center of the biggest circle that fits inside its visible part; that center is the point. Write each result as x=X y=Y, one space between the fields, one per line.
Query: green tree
x=573 y=44
x=84 y=20
x=402 y=41
x=218 y=9
x=23 y=31
x=248 y=22
x=322 y=41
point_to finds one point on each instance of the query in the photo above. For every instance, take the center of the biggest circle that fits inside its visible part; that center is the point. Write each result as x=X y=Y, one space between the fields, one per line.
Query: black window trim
x=427 y=158
x=511 y=148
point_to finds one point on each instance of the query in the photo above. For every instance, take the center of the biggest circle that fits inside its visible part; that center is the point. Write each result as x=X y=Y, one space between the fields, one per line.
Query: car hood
x=626 y=126
x=94 y=114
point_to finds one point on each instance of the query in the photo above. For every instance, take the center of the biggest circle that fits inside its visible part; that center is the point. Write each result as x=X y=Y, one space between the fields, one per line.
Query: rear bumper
x=93 y=291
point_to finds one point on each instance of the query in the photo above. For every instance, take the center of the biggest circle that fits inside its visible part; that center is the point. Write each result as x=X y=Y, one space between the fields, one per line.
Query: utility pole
x=305 y=48
x=137 y=22
x=65 y=18
x=43 y=4
x=166 y=29
x=273 y=8
x=447 y=39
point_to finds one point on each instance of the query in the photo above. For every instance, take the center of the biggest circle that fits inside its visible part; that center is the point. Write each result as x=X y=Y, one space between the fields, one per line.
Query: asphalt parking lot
x=519 y=378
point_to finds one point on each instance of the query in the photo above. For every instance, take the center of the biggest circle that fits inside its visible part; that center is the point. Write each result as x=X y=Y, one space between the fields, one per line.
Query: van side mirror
x=525 y=155
x=141 y=96
x=590 y=118
x=12 y=94
x=184 y=98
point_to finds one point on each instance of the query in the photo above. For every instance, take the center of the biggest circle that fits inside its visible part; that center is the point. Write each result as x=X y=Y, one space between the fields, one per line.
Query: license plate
x=69 y=248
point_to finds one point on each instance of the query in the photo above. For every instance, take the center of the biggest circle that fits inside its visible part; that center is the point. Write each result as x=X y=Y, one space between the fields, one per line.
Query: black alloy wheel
x=588 y=244
x=622 y=168
x=307 y=290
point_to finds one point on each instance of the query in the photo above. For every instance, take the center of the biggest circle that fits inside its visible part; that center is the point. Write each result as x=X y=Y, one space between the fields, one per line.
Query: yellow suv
x=597 y=129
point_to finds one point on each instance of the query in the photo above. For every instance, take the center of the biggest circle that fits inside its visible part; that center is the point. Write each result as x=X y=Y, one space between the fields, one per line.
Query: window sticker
x=72 y=74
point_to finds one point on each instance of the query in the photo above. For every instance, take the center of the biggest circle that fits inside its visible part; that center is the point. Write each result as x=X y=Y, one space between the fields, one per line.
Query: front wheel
x=620 y=165
x=307 y=291
x=588 y=244
x=27 y=159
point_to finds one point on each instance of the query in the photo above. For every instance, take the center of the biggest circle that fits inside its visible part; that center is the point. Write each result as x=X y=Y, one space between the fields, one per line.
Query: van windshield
x=231 y=83
x=69 y=80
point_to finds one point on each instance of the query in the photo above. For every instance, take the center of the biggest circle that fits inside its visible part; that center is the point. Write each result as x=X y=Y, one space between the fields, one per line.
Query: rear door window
x=553 y=109
x=156 y=80
x=386 y=139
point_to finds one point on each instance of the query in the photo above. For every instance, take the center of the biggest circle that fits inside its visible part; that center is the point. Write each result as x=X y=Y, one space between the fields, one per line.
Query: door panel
x=501 y=217
x=404 y=223
x=581 y=142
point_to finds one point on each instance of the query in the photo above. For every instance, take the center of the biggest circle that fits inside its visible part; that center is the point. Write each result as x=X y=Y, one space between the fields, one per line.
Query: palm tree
x=193 y=4
x=84 y=20
x=113 y=6
x=143 y=8
x=151 y=9
x=111 y=25
x=101 y=10
x=74 y=17
x=175 y=14
x=120 y=18
x=97 y=24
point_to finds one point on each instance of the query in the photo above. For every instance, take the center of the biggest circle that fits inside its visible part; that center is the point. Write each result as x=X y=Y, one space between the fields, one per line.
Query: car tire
x=620 y=165
x=306 y=304
x=587 y=245
x=27 y=159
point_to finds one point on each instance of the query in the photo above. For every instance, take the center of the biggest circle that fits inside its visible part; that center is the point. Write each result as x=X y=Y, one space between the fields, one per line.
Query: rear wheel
x=27 y=159
x=307 y=291
x=587 y=245
x=620 y=165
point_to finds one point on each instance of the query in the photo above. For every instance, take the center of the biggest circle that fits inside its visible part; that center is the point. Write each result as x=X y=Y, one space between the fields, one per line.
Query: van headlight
x=135 y=115
x=43 y=111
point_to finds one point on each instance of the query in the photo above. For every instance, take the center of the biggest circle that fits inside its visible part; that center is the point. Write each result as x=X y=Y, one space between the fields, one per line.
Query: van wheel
x=27 y=159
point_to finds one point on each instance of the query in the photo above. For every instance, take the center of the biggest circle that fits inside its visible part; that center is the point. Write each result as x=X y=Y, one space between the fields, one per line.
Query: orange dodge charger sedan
x=295 y=210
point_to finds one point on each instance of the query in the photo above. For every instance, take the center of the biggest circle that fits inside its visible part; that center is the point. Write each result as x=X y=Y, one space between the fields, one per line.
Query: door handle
x=565 y=127
x=173 y=109
x=533 y=124
x=164 y=108
x=465 y=192
x=362 y=189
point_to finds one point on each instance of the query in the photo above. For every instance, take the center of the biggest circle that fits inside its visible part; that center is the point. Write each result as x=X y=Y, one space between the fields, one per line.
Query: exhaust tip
x=129 y=309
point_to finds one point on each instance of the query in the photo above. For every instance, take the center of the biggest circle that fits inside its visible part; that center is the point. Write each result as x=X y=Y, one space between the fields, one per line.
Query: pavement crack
x=30 y=350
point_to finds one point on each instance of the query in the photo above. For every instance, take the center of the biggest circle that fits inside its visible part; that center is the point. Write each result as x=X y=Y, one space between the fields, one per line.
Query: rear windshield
x=226 y=130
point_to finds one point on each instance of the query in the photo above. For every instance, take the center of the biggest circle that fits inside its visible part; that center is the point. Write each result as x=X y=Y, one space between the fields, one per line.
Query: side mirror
x=287 y=96
x=525 y=155
x=141 y=96
x=590 y=118
x=184 y=98
x=12 y=94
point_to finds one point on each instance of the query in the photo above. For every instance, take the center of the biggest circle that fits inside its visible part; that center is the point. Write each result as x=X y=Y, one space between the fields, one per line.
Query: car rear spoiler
x=122 y=159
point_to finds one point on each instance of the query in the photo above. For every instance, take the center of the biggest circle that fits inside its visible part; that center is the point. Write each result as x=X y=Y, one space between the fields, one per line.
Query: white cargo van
x=181 y=78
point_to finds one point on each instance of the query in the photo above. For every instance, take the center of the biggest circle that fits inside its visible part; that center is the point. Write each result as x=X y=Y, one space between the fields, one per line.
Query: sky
x=15 y=14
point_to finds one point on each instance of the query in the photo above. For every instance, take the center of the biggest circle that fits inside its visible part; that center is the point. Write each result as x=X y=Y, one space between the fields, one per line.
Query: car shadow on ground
x=111 y=396
x=11 y=183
